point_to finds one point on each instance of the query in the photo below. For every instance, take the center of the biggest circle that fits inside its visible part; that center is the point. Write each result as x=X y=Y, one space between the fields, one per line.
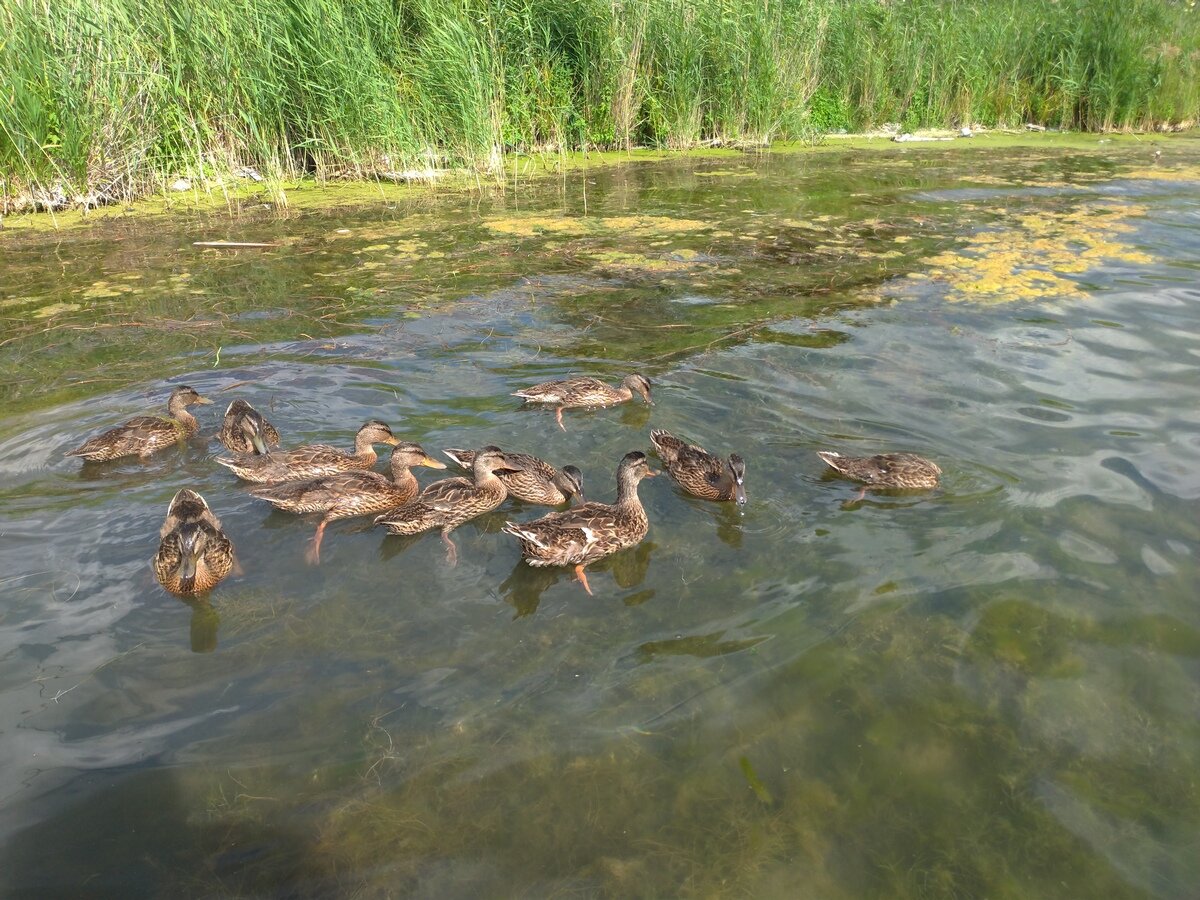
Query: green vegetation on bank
x=119 y=98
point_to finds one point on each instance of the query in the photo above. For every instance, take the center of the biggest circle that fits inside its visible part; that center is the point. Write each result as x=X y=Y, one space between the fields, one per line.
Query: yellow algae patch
x=579 y=226
x=1164 y=173
x=54 y=309
x=637 y=262
x=1028 y=259
x=99 y=290
x=620 y=259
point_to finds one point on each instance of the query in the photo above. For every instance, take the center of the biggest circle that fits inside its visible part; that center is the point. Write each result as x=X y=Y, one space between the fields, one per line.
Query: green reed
x=122 y=98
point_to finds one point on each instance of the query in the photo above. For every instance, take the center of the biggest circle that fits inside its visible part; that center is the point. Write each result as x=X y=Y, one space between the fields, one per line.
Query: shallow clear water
x=987 y=690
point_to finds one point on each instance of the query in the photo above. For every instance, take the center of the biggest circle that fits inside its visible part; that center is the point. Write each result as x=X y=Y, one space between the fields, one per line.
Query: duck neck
x=627 y=490
x=483 y=473
x=179 y=412
x=624 y=392
x=364 y=447
x=403 y=478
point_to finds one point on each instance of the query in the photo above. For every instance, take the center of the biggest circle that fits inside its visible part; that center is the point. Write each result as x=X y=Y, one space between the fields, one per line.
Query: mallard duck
x=448 y=503
x=585 y=392
x=144 y=435
x=349 y=494
x=537 y=482
x=313 y=461
x=245 y=430
x=886 y=470
x=193 y=554
x=699 y=472
x=584 y=534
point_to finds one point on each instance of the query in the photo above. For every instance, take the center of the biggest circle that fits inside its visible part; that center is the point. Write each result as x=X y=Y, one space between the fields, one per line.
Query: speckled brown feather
x=538 y=481
x=348 y=494
x=898 y=470
x=189 y=520
x=580 y=392
x=313 y=461
x=448 y=503
x=693 y=468
x=591 y=531
x=584 y=392
x=143 y=435
x=241 y=420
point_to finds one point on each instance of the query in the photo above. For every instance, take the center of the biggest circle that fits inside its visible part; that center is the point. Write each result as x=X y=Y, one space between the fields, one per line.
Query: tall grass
x=119 y=96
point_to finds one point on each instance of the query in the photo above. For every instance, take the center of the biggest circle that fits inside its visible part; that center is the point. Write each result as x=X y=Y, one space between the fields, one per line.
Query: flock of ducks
x=194 y=553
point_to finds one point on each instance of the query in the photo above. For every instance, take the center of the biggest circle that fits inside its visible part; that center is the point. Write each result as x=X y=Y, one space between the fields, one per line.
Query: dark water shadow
x=132 y=833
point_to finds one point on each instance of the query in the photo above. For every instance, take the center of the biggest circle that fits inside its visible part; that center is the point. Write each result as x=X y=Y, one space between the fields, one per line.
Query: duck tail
x=666 y=444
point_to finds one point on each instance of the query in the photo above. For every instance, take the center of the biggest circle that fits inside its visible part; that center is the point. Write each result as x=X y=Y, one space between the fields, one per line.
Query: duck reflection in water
x=524 y=586
x=202 y=630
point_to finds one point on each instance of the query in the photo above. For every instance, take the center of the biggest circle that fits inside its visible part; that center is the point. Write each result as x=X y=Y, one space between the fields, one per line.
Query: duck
x=194 y=554
x=538 y=481
x=448 y=503
x=886 y=470
x=143 y=435
x=698 y=472
x=245 y=430
x=581 y=535
x=585 y=392
x=349 y=494
x=312 y=461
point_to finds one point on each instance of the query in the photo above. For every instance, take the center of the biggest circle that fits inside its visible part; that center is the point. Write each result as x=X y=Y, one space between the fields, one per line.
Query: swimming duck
x=448 y=503
x=584 y=534
x=537 y=482
x=193 y=554
x=143 y=435
x=698 y=472
x=585 y=392
x=245 y=430
x=886 y=470
x=313 y=461
x=349 y=494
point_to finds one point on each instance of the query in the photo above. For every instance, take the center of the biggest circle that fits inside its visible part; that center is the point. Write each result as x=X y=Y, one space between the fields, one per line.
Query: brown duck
x=144 y=435
x=698 y=472
x=885 y=470
x=193 y=554
x=537 y=482
x=245 y=430
x=592 y=531
x=349 y=494
x=448 y=503
x=313 y=461
x=585 y=393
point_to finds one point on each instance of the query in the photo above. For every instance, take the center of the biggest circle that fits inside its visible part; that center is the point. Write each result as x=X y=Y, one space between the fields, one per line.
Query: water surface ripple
x=990 y=689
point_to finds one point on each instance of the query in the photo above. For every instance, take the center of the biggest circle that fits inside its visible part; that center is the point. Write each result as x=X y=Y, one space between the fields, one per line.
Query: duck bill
x=432 y=463
x=203 y=401
x=652 y=473
x=260 y=446
x=187 y=566
x=739 y=493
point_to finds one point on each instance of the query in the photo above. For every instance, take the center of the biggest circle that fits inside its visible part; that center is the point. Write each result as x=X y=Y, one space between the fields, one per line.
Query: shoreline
x=253 y=198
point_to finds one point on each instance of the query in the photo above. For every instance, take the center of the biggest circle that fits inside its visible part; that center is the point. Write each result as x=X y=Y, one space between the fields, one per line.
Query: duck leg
x=451 y=550
x=558 y=417
x=582 y=577
x=313 y=553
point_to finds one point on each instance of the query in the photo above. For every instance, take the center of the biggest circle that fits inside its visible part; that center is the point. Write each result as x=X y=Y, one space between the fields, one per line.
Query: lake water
x=991 y=689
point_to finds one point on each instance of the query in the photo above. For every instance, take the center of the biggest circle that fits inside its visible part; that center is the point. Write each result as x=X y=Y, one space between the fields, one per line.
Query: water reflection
x=202 y=629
